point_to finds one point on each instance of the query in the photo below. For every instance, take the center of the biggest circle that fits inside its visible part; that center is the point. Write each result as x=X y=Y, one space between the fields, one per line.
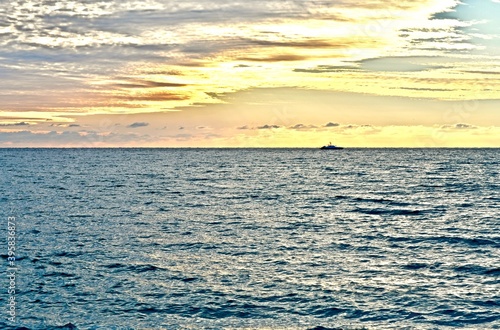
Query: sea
x=302 y=239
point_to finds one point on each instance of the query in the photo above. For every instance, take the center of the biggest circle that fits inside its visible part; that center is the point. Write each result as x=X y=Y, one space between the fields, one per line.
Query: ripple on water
x=255 y=239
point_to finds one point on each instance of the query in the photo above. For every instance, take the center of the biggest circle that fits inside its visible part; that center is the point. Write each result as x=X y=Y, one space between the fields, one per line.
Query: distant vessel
x=331 y=146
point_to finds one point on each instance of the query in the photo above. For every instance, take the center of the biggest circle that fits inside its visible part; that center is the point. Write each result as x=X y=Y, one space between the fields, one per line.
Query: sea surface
x=251 y=238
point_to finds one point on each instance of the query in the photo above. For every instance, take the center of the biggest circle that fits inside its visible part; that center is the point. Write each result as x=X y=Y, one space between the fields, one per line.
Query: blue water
x=252 y=238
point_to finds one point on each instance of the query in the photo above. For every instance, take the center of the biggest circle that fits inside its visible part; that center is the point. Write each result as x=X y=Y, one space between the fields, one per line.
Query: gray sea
x=250 y=238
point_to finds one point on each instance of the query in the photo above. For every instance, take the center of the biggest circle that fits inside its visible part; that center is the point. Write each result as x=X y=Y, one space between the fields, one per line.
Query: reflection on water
x=257 y=238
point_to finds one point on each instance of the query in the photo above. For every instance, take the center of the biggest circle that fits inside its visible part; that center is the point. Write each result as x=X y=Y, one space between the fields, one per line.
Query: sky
x=219 y=73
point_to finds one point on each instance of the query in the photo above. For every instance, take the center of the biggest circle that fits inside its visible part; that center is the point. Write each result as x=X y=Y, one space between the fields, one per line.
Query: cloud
x=68 y=138
x=121 y=57
x=302 y=127
x=306 y=43
x=274 y=58
x=268 y=127
x=160 y=72
x=213 y=95
x=137 y=83
x=330 y=124
x=153 y=97
x=329 y=69
x=138 y=124
x=380 y=64
x=483 y=72
x=298 y=126
x=464 y=126
x=425 y=89
x=459 y=126
x=398 y=64
x=22 y=123
x=350 y=126
x=183 y=137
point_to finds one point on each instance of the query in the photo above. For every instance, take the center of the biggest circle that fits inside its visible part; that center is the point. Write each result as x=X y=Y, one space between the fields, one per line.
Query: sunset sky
x=219 y=73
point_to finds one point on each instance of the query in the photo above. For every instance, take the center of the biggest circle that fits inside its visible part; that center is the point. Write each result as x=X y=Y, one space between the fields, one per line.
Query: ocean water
x=251 y=238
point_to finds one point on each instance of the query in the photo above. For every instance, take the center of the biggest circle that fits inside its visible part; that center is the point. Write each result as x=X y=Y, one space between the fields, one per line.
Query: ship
x=330 y=146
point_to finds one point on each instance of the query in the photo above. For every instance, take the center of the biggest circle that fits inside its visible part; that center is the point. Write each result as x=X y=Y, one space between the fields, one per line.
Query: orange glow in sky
x=250 y=74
